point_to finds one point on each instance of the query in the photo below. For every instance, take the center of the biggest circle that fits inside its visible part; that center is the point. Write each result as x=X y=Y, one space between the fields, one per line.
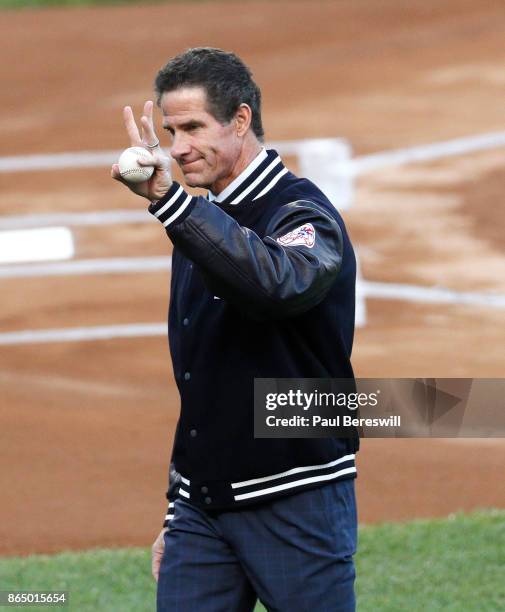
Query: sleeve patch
x=305 y=235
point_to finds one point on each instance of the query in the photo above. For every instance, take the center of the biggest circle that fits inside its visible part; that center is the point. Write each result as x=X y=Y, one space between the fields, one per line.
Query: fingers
x=158 y=161
x=146 y=121
x=131 y=127
x=156 y=554
x=156 y=567
x=148 y=109
x=148 y=133
x=115 y=174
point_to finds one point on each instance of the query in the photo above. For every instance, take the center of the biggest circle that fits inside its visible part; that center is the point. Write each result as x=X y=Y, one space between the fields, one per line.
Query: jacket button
x=193 y=433
x=208 y=500
x=185 y=322
x=204 y=490
x=187 y=376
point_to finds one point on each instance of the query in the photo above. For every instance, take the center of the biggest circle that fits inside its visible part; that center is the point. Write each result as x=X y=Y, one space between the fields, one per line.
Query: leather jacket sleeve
x=260 y=275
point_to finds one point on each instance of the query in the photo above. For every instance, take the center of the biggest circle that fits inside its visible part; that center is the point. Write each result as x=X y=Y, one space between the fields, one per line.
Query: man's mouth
x=186 y=165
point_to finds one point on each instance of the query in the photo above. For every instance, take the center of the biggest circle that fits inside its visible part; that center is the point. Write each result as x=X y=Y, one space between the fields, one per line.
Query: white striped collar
x=254 y=181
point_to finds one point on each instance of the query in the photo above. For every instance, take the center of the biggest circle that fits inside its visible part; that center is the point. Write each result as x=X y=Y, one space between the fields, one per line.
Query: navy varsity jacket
x=263 y=285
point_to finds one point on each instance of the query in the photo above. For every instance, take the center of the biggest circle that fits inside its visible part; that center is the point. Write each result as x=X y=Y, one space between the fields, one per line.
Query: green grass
x=453 y=564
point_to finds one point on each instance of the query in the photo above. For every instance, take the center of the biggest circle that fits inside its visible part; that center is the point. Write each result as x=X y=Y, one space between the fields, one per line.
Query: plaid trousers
x=295 y=554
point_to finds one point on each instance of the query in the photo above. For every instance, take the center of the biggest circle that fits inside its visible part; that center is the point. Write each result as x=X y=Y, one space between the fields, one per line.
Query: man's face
x=206 y=151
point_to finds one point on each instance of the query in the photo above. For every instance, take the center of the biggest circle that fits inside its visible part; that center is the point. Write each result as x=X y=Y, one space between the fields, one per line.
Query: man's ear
x=243 y=118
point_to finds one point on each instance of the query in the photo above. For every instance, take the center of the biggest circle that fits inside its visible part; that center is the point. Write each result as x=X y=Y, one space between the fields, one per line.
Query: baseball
x=129 y=167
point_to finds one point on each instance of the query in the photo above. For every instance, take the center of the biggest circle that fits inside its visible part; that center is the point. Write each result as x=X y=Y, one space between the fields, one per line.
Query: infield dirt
x=87 y=427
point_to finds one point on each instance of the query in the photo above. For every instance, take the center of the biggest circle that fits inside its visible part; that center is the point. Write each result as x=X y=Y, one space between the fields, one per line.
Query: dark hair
x=225 y=78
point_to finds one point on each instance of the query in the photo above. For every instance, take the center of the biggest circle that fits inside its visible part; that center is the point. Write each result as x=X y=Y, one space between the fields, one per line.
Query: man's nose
x=180 y=147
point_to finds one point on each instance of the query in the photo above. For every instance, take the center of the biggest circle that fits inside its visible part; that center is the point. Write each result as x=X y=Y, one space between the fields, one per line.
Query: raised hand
x=160 y=182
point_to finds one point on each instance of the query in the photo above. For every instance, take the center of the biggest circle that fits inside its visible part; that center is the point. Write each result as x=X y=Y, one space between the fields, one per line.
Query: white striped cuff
x=173 y=207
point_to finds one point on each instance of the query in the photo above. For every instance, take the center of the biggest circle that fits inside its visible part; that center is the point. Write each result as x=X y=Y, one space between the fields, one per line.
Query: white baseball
x=129 y=167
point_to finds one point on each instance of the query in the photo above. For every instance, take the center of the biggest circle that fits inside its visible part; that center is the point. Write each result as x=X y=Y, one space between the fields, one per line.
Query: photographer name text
x=337 y=421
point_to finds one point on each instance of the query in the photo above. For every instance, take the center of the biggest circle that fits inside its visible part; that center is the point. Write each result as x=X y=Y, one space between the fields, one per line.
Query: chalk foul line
x=81 y=334
x=78 y=267
x=365 y=289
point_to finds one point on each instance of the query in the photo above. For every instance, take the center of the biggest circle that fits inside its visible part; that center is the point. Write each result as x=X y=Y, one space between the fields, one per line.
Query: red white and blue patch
x=305 y=235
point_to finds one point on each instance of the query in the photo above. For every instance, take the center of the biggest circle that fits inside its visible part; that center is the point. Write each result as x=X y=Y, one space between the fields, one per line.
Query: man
x=263 y=281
